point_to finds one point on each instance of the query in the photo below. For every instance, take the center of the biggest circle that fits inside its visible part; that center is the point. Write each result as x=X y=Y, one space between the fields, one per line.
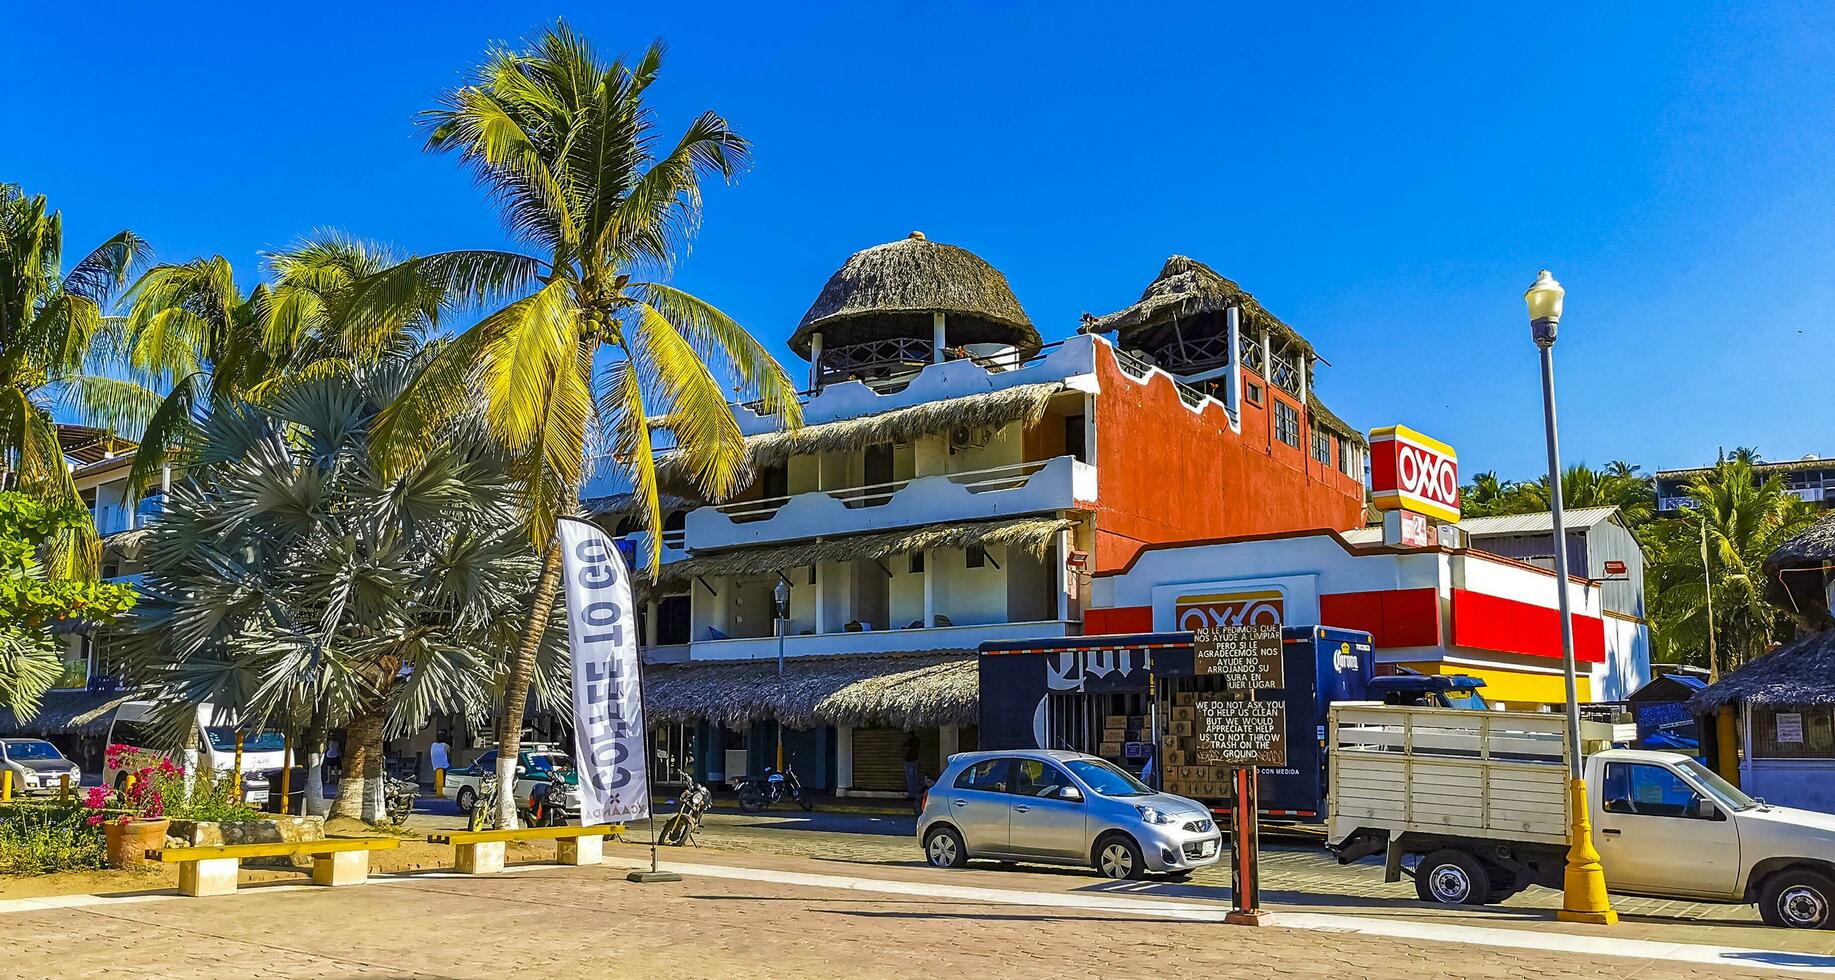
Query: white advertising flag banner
x=608 y=713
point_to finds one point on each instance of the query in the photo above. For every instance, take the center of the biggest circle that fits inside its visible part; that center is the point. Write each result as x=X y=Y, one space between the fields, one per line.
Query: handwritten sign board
x=1248 y=658
x=1241 y=733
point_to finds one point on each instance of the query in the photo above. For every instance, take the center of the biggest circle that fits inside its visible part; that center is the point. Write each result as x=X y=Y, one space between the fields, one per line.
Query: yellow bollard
x=6 y=786
x=63 y=787
x=1726 y=737
x=286 y=777
x=236 y=781
x=1584 y=897
x=439 y=782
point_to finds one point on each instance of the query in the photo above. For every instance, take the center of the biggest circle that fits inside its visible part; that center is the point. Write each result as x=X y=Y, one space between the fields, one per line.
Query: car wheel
x=1118 y=857
x=1798 y=899
x=466 y=799
x=1452 y=877
x=943 y=848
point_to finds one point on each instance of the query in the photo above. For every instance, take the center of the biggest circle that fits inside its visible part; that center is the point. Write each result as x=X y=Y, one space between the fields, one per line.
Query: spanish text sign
x=1248 y=658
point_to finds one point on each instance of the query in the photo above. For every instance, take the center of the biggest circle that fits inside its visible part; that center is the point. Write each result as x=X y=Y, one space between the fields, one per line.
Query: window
x=1252 y=392
x=486 y=762
x=1804 y=732
x=672 y=619
x=223 y=739
x=1075 y=443
x=1648 y=791
x=1107 y=780
x=1035 y=777
x=1347 y=458
x=977 y=556
x=991 y=776
x=1286 y=424
x=139 y=734
x=1322 y=446
x=914 y=562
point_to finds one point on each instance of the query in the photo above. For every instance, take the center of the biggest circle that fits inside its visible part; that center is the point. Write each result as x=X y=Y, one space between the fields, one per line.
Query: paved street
x=762 y=916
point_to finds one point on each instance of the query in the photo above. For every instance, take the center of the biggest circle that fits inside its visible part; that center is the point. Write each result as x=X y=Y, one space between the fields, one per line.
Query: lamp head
x=782 y=595
x=1544 y=297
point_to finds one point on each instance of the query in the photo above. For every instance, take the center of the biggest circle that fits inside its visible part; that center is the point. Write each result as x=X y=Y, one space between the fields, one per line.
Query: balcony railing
x=1251 y=353
x=1285 y=375
x=959 y=637
x=1188 y=355
x=1138 y=369
x=998 y=491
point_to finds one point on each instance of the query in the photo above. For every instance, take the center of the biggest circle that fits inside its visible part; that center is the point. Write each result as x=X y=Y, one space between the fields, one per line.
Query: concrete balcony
x=1002 y=491
x=871 y=641
x=674 y=547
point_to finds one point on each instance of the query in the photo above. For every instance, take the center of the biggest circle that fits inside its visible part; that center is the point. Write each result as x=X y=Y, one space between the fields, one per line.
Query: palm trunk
x=362 y=753
x=516 y=693
x=316 y=733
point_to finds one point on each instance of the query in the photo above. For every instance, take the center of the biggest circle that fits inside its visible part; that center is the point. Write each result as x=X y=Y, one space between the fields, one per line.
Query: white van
x=213 y=735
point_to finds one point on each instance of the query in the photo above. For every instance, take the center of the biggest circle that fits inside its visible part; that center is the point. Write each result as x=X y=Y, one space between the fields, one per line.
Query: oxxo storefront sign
x=1413 y=472
x=1257 y=607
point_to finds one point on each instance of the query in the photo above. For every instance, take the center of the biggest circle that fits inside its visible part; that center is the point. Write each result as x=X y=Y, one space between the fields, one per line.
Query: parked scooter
x=398 y=796
x=692 y=804
x=545 y=805
x=760 y=792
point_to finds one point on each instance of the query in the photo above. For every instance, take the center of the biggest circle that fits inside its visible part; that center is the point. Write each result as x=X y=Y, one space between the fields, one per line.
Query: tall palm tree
x=52 y=333
x=293 y=580
x=587 y=351
x=190 y=325
x=1581 y=486
x=1484 y=494
x=1743 y=520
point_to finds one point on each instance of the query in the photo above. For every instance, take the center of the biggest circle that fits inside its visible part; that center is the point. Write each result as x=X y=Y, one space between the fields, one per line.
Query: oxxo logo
x=1413 y=472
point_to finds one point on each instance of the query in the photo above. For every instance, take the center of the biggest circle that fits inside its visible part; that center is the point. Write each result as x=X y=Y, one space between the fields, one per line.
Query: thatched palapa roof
x=891 y=290
x=901 y=690
x=1799 y=673
x=1795 y=575
x=1816 y=544
x=1025 y=404
x=1031 y=533
x=1187 y=287
x=1327 y=419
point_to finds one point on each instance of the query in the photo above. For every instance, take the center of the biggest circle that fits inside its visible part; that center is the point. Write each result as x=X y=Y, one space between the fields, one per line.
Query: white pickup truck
x=1480 y=799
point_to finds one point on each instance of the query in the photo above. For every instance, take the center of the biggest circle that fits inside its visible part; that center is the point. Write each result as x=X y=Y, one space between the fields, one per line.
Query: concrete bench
x=481 y=852
x=212 y=870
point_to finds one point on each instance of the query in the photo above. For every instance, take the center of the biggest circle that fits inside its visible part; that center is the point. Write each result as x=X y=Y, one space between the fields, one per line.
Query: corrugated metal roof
x=1578 y=519
x=1363 y=535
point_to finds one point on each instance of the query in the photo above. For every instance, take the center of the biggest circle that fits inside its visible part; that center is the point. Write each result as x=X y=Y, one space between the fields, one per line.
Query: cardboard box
x=1169 y=742
x=1137 y=721
x=1174 y=758
x=1109 y=750
x=1184 y=697
x=1115 y=721
x=1184 y=713
x=1184 y=728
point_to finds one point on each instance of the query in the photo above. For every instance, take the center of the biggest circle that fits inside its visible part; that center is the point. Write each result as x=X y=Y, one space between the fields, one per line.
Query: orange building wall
x=1165 y=473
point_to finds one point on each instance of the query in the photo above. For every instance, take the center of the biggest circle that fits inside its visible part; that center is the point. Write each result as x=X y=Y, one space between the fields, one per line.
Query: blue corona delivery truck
x=1128 y=698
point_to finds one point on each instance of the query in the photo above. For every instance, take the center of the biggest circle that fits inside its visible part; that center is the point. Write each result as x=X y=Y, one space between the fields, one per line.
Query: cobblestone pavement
x=590 y=922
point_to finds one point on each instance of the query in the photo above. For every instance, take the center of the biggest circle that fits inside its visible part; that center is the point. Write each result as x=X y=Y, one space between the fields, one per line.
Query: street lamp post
x=781 y=607
x=1584 y=898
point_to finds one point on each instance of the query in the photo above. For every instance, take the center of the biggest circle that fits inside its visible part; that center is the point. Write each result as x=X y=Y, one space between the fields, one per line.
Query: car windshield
x=1467 y=699
x=546 y=761
x=223 y=739
x=1724 y=793
x=35 y=751
x=1106 y=779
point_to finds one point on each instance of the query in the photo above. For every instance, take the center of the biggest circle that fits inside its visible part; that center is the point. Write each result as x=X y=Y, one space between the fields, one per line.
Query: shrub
x=39 y=838
x=160 y=789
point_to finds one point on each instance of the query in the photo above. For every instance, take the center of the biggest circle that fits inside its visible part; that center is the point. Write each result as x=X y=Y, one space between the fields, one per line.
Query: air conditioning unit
x=970 y=436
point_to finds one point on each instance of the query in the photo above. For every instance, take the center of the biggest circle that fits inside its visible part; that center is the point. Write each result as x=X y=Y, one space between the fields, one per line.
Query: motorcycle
x=692 y=804
x=760 y=792
x=546 y=805
x=398 y=796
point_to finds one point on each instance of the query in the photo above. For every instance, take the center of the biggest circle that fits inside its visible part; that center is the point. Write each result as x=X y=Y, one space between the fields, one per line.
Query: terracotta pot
x=129 y=842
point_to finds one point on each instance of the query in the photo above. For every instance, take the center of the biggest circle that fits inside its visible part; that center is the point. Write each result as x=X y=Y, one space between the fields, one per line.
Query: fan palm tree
x=586 y=352
x=190 y=325
x=293 y=579
x=51 y=323
x=1742 y=520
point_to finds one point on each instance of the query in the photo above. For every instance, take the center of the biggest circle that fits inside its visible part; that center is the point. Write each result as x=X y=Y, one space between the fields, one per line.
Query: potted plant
x=133 y=819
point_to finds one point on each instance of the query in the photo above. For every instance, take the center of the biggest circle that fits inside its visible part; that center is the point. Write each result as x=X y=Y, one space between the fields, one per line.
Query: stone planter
x=129 y=842
x=204 y=833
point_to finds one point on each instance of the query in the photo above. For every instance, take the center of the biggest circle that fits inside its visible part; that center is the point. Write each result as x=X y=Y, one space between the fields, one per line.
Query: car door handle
x=962 y=803
x=1609 y=830
x=1021 y=808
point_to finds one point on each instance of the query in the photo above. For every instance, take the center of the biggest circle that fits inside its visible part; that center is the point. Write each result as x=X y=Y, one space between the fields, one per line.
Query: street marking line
x=1561 y=942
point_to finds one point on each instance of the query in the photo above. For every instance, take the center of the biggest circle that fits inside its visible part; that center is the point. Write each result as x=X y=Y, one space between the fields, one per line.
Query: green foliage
x=30 y=662
x=1618 y=485
x=39 y=838
x=160 y=788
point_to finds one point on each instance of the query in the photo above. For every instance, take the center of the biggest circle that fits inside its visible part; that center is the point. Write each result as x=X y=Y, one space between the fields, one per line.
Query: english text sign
x=608 y=711
x=1242 y=733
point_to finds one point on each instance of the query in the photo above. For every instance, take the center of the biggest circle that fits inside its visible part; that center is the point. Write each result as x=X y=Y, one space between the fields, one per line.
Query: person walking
x=440 y=754
x=913 y=778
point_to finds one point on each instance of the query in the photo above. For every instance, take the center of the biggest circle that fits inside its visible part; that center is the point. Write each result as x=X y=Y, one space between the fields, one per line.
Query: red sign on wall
x=1410 y=471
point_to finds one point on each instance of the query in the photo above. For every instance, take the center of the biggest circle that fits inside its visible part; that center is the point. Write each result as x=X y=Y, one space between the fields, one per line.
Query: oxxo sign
x=1413 y=472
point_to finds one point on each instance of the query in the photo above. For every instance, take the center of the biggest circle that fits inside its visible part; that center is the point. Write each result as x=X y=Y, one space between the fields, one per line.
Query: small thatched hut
x=1189 y=296
x=1801 y=576
x=912 y=690
x=906 y=302
x=1785 y=705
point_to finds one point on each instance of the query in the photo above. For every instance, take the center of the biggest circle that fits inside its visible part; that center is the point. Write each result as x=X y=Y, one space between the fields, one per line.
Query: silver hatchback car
x=1061 y=808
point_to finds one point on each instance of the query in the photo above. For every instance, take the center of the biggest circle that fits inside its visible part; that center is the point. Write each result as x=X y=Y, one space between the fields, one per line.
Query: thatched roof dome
x=1815 y=544
x=891 y=290
x=1187 y=287
x=1798 y=673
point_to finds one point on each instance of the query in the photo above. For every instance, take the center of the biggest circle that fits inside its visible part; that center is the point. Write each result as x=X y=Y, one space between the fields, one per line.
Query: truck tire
x=1452 y=877
x=1798 y=898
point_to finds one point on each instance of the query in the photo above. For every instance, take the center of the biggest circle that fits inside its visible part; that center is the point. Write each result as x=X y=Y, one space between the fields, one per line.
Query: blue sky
x=1387 y=182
